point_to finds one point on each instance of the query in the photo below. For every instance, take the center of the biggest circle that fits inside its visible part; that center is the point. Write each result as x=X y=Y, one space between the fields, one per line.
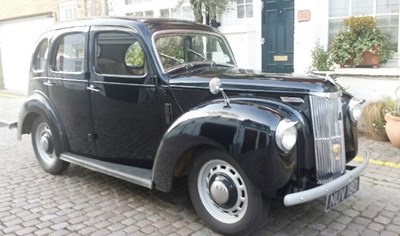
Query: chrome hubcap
x=45 y=144
x=222 y=191
x=219 y=192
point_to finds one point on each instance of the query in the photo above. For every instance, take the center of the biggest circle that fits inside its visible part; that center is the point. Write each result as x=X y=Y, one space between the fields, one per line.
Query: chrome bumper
x=325 y=189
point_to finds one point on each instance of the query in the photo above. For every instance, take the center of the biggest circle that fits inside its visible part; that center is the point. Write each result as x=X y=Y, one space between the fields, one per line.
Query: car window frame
x=96 y=30
x=55 y=46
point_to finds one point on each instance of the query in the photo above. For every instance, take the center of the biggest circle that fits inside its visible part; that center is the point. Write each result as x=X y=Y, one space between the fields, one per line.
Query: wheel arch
x=38 y=105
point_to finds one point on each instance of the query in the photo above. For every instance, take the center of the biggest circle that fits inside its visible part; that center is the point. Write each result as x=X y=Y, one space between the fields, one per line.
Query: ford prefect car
x=152 y=100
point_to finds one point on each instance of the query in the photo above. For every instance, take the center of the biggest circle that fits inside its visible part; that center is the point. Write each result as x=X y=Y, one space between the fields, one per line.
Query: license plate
x=333 y=199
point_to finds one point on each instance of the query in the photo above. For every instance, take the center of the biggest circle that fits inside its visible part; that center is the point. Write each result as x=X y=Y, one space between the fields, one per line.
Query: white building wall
x=244 y=36
x=307 y=34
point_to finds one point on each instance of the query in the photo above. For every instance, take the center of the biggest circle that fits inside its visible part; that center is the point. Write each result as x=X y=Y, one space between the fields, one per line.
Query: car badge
x=292 y=99
x=336 y=149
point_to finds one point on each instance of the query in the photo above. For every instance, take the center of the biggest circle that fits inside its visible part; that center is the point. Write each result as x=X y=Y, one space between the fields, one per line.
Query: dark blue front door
x=278 y=31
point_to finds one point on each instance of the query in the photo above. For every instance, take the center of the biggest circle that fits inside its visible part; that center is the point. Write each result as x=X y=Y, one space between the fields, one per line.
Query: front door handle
x=92 y=88
x=49 y=83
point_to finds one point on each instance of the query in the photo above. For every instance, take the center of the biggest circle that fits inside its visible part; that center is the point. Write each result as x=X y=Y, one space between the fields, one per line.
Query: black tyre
x=223 y=196
x=44 y=147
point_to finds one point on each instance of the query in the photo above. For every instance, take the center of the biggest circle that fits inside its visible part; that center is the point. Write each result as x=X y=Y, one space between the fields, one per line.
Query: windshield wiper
x=180 y=61
x=203 y=57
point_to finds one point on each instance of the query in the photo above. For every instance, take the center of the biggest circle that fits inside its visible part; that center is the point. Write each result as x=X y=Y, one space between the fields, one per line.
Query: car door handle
x=92 y=88
x=49 y=83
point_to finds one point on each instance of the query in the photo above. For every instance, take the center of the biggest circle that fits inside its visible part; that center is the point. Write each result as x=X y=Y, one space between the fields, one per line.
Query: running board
x=134 y=175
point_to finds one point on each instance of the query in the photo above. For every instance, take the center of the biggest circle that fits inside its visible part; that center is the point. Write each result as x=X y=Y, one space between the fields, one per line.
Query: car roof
x=146 y=25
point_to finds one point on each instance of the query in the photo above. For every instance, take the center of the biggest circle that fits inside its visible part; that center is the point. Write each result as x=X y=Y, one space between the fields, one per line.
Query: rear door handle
x=49 y=83
x=92 y=88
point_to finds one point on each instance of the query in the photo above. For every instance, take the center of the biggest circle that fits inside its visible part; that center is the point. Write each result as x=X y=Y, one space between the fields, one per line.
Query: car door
x=126 y=104
x=67 y=82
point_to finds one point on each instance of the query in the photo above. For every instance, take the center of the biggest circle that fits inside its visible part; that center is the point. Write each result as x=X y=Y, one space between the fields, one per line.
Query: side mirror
x=215 y=87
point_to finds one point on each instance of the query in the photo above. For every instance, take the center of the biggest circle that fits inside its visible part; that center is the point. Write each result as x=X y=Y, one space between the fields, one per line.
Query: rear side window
x=70 y=52
x=40 y=56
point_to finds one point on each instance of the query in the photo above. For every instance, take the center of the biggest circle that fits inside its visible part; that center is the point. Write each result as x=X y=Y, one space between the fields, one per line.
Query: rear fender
x=245 y=130
x=39 y=105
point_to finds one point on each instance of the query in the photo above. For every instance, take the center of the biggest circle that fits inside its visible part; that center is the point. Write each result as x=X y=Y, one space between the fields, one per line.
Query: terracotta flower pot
x=393 y=128
x=369 y=59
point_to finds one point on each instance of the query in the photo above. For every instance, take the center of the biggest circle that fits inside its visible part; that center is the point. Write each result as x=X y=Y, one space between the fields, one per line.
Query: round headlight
x=355 y=109
x=286 y=135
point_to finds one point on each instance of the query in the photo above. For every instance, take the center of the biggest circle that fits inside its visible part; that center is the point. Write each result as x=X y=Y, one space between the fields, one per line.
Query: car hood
x=235 y=79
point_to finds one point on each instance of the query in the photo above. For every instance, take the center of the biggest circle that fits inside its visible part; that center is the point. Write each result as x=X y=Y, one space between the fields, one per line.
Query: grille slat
x=326 y=112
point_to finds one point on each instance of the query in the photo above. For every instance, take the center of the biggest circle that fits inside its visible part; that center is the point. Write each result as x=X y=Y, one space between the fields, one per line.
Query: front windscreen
x=176 y=50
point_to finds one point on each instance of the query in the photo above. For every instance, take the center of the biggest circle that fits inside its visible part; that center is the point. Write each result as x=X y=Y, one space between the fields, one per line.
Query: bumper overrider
x=326 y=189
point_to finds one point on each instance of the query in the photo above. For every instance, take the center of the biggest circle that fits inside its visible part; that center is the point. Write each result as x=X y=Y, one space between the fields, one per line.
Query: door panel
x=126 y=111
x=67 y=88
x=278 y=33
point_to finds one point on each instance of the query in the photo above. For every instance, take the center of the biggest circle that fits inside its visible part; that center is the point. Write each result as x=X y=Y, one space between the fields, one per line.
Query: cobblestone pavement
x=83 y=202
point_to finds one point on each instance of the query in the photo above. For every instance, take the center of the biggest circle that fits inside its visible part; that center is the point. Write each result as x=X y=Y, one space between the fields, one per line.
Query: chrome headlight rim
x=355 y=109
x=286 y=135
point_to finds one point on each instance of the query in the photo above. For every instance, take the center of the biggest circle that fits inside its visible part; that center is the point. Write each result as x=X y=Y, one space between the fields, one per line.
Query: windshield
x=175 y=50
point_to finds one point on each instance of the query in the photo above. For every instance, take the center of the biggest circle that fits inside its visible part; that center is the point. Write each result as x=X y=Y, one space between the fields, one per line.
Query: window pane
x=70 y=54
x=362 y=7
x=249 y=10
x=164 y=13
x=389 y=25
x=338 y=8
x=240 y=11
x=240 y=1
x=335 y=26
x=387 y=6
x=138 y=14
x=149 y=13
x=119 y=53
x=40 y=56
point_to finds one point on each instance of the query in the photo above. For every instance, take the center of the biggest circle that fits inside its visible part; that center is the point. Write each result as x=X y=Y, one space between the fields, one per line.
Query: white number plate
x=338 y=196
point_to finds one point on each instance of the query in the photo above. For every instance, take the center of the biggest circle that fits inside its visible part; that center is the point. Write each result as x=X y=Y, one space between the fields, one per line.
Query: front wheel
x=222 y=194
x=44 y=147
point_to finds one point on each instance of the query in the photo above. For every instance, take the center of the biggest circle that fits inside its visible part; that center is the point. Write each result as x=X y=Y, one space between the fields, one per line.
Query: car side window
x=70 y=52
x=119 y=53
x=40 y=56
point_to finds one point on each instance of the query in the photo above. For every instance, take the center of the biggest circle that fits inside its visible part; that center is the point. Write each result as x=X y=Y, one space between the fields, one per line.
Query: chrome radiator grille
x=327 y=120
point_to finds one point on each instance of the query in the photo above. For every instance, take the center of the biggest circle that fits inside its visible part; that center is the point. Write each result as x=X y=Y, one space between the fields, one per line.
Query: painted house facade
x=278 y=35
x=267 y=35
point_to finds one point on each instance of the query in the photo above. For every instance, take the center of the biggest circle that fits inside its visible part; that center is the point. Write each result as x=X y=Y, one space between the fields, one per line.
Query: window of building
x=164 y=13
x=128 y=2
x=386 y=13
x=244 y=8
x=149 y=13
x=68 y=10
x=70 y=53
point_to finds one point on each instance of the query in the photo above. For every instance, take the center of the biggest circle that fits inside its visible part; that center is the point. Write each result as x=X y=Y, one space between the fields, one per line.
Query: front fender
x=39 y=105
x=245 y=129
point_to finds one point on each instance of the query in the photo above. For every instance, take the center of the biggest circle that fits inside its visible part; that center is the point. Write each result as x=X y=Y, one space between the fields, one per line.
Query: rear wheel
x=44 y=147
x=222 y=194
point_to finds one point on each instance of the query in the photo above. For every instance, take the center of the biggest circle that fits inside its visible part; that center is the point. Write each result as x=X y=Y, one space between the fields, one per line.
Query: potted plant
x=392 y=118
x=362 y=44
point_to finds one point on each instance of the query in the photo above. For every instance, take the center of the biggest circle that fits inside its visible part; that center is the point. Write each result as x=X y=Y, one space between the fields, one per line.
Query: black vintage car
x=150 y=100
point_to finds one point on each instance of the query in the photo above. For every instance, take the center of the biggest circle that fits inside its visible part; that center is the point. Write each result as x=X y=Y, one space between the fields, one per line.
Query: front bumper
x=326 y=189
